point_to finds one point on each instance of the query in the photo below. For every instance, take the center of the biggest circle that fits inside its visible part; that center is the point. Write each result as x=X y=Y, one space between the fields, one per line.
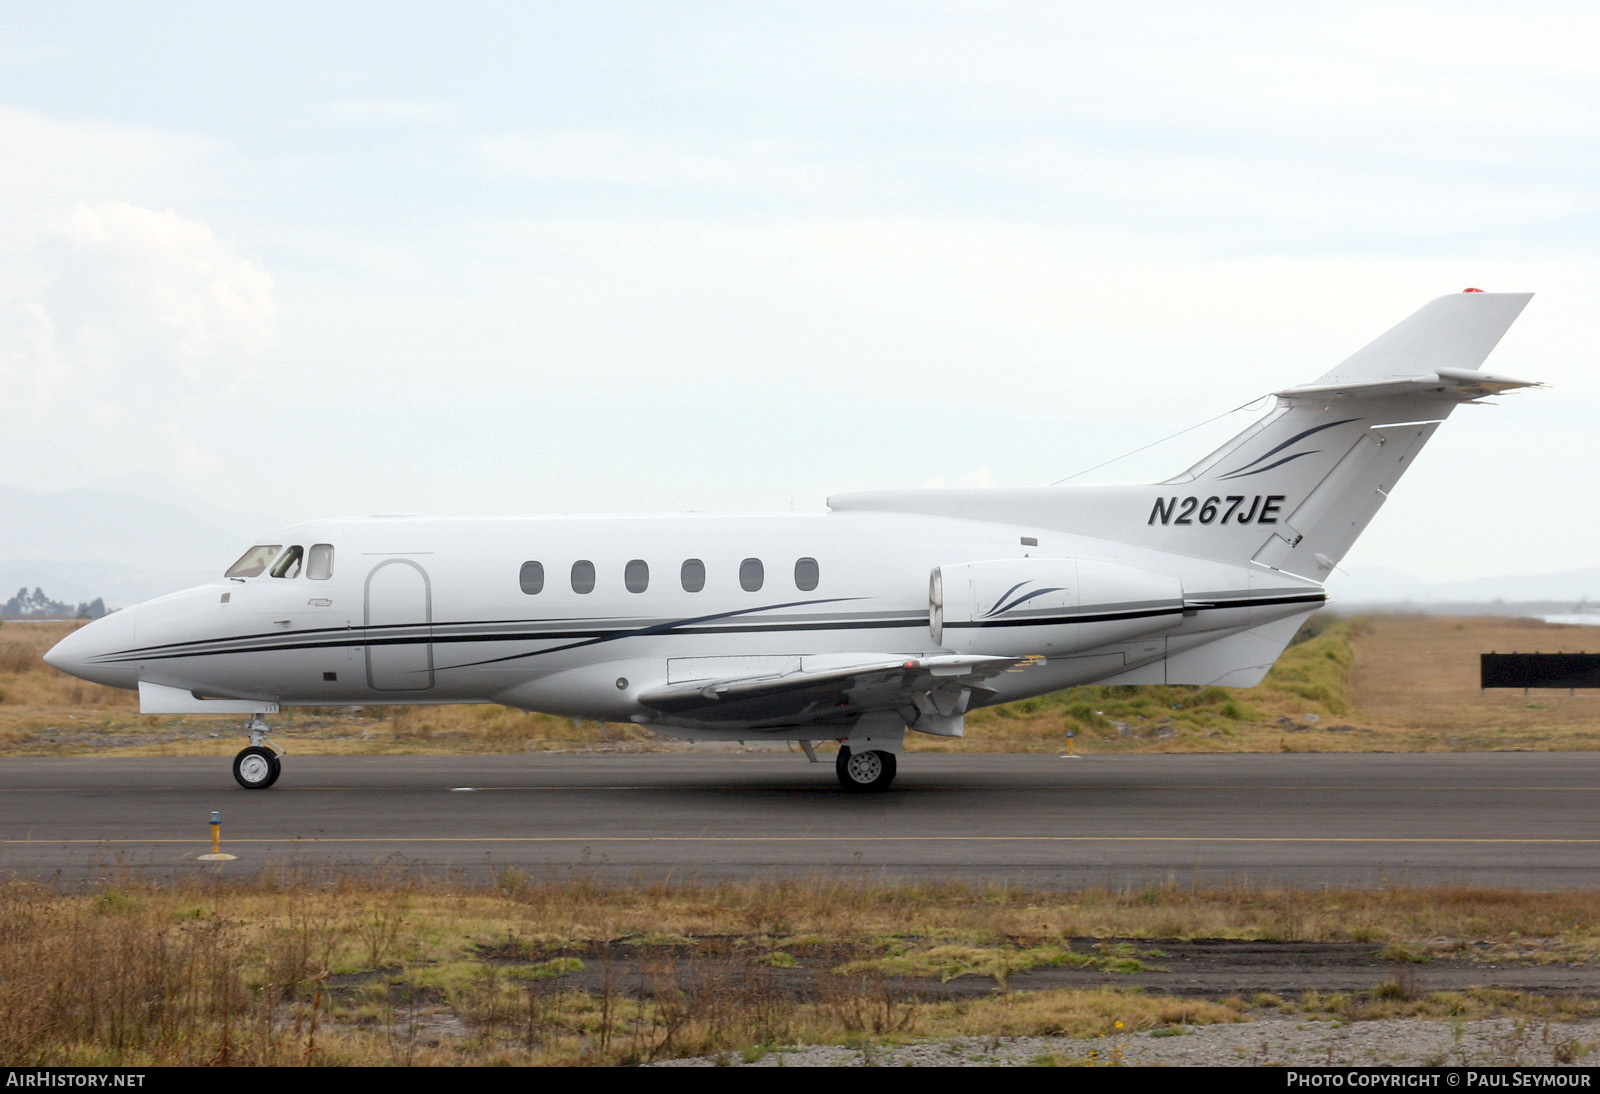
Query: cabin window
x=254 y=561
x=289 y=564
x=751 y=575
x=693 y=575
x=532 y=578
x=805 y=574
x=636 y=576
x=583 y=576
x=319 y=563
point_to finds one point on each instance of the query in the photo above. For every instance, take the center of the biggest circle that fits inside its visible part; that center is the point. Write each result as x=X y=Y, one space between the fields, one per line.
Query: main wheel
x=257 y=768
x=864 y=771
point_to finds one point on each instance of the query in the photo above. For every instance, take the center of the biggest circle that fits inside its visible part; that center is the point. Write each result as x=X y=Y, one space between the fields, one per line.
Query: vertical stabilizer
x=1294 y=490
x=1332 y=451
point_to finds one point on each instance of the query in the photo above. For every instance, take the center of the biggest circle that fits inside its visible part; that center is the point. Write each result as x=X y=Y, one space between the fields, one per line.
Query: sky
x=334 y=259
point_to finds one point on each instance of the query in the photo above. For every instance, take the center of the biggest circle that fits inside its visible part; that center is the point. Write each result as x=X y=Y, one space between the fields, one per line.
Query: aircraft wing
x=834 y=691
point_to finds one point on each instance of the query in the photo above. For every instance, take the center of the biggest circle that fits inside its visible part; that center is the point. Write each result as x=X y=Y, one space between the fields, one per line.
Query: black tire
x=864 y=772
x=256 y=768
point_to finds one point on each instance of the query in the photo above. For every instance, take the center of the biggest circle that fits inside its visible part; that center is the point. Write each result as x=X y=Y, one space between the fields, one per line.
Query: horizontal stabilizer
x=1455 y=333
x=1450 y=383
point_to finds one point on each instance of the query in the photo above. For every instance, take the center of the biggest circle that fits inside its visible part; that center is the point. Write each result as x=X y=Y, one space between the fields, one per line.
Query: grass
x=1416 y=679
x=947 y=962
x=330 y=969
x=1311 y=678
x=1386 y=683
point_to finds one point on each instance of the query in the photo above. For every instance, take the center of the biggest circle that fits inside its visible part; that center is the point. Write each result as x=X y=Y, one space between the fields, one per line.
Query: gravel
x=1269 y=1042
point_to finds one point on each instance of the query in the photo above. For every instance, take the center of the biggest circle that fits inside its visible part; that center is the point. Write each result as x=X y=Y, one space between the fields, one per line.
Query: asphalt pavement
x=1526 y=820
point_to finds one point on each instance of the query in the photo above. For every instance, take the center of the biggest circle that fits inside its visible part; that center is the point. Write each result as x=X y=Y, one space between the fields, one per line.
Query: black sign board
x=1540 y=670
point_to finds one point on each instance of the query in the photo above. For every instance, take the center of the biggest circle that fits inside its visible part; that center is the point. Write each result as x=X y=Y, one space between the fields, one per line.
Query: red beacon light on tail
x=1471 y=290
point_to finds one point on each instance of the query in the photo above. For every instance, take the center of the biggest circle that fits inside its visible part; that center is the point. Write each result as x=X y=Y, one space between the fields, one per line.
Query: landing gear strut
x=258 y=767
x=864 y=771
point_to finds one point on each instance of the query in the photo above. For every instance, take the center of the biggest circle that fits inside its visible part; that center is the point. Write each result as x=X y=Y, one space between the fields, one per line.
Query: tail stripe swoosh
x=1270 y=466
x=1298 y=437
x=1019 y=600
x=1002 y=596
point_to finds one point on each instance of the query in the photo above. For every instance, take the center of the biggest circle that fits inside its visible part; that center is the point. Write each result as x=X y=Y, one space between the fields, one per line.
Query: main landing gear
x=864 y=771
x=258 y=766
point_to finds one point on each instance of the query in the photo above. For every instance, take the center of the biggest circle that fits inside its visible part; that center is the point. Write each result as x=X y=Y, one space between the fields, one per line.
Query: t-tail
x=1292 y=492
x=1295 y=490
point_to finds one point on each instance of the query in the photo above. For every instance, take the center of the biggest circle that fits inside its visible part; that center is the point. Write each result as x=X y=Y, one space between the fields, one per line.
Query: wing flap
x=823 y=692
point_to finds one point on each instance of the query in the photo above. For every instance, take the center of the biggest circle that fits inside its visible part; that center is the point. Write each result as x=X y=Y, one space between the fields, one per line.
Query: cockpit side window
x=254 y=561
x=288 y=565
x=319 y=563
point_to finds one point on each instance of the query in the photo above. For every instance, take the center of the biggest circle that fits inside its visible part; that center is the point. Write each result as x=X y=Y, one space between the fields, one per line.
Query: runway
x=1525 y=820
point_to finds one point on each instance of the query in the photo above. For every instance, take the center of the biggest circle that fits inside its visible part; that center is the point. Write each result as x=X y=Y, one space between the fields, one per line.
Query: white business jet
x=894 y=609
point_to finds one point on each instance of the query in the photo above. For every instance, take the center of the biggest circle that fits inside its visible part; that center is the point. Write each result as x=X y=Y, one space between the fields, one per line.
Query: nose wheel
x=258 y=767
x=864 y=771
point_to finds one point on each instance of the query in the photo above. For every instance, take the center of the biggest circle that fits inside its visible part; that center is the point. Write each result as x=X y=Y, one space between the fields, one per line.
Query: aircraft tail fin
x=1319 y=467
x=1294 y=490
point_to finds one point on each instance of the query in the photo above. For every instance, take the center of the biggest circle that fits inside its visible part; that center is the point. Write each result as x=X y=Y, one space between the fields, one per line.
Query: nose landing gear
x=258 y=767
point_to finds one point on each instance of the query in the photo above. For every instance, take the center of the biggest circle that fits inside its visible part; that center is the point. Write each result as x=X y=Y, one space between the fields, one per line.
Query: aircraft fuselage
x=421 y=610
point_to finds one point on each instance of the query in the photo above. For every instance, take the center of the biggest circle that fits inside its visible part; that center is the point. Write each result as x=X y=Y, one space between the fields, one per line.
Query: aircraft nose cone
x=82 y=652
x=58 y=658
x=66 y=655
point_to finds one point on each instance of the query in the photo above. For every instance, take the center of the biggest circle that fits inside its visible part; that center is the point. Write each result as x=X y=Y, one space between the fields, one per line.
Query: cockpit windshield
x=289 y=564
x=254 y=561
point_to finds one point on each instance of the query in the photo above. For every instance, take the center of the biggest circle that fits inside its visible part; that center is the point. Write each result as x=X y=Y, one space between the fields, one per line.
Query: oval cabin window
x=806 y=574
x=636 y=576
x=583 y=576
x=532 y=578
x=693 y=575
x=751 y=575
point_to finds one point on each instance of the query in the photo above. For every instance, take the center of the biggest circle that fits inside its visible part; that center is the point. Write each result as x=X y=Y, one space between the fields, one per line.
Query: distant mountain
x=245 y=524
x=125 y=544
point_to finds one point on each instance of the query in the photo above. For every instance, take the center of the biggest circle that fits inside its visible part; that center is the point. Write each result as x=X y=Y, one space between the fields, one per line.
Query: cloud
x=46 y=163
x=372 y=112
x=32 y=374
x=117 y=319
x=127 y=288
x=616 y=159
x=1283 y=199
x=1274 y=70
x=123 y=323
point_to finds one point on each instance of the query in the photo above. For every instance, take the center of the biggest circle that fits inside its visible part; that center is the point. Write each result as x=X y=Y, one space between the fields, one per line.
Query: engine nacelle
x=1051 y=606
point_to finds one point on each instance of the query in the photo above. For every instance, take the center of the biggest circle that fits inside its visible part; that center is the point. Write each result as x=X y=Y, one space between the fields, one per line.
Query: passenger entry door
x=399 y=627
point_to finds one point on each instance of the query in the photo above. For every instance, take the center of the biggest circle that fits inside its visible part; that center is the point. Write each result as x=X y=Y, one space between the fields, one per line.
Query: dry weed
x=324 y=968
